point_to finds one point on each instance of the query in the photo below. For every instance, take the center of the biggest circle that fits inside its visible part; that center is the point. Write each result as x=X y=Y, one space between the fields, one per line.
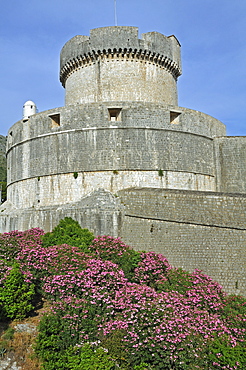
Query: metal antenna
x=115 y=14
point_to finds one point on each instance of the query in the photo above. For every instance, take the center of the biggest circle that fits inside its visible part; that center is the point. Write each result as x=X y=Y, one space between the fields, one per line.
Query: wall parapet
x=120 y=42
x=211 y=209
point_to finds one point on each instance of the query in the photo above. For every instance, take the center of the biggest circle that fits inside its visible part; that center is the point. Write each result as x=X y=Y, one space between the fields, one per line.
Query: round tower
x=120 y=128
x=113 y=64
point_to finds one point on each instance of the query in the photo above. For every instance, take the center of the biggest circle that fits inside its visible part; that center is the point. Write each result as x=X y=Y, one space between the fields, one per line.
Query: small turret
x=29 y=109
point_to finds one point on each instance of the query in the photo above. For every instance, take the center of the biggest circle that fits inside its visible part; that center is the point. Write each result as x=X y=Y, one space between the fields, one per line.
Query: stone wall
x=113 y=65
x=231 y=163
x=101 y=212
x=54 y=145
x=61 y=189
x=192 y=229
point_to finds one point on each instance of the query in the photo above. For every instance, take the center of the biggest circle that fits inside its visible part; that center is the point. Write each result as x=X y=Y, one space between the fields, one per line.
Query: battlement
x=120 y=42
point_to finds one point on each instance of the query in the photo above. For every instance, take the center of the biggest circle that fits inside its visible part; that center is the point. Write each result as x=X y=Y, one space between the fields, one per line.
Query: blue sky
x=212 y=34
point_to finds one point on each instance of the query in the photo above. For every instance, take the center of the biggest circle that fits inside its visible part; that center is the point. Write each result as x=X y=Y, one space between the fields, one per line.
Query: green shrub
x=88 y=358
x=16 y=295
x=235 y=307
x=52 y=343
x=225 y=356
x=178 y=280
x=116 y=348
x=68 y=231
x=57 y=349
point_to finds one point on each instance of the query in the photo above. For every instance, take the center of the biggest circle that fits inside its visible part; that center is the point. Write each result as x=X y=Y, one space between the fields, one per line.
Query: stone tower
x=114 y=65
x=124 y=159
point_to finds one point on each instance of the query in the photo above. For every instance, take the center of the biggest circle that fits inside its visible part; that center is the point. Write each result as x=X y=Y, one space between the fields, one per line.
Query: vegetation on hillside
x=114 y=308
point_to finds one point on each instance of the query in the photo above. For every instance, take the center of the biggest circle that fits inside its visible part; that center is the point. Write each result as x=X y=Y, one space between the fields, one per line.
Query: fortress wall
x=44 y=155
x=112 y=148
x=121 y=79
x=192 y=229
x=133 y=114
x=100 y=212
x=64 y=188
x=196 y=207
x=220 y=253
x=231 y=159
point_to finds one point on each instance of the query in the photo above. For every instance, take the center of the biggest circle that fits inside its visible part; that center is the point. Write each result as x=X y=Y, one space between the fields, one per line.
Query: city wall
x=203 y=230
x=231 y=159
x=192 y=229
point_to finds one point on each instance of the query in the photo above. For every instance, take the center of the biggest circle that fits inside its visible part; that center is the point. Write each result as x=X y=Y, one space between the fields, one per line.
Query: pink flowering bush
x=5 y=269
x=166 y=328
x=113 y=249
x=132 y=308
x=152 y=269
x=17 y=295
x=38 y=261
x=11 y=243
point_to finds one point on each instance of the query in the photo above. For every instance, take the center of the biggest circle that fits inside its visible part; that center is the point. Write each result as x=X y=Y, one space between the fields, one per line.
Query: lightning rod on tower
x=115 y=14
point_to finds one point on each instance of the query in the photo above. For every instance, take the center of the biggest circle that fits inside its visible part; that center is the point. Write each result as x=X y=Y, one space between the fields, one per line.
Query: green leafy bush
x=52 y=342
x=178 y=280
x=58 y=350
x=89 y=357
x=16 y=295
x=9 y=334
x=222 y=355
x=68 y=231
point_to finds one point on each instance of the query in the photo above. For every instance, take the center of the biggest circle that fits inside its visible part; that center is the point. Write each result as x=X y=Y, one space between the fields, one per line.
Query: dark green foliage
x=16 y=296
x=51 y=341
x=220 y=352
x=129 y=262
x=68 y=231
x=178 y=280
x=56 y=347
x=114 y=344
x=235 y=305
x=234 y=311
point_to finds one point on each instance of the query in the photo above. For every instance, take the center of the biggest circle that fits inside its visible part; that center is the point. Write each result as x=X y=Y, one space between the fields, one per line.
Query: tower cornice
x=140 y=55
